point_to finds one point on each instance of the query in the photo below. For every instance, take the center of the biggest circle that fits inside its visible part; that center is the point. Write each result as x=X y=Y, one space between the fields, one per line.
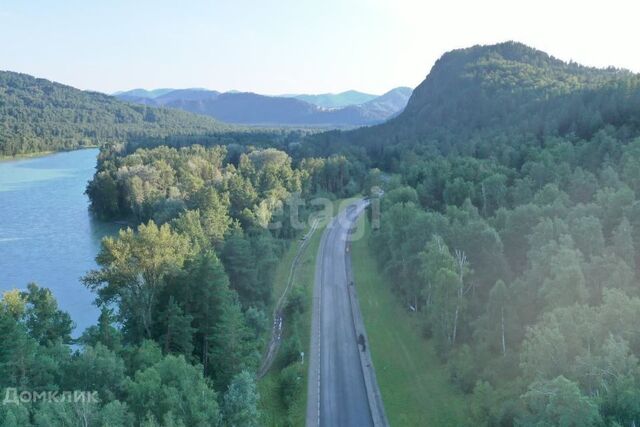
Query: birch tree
x=133 y=271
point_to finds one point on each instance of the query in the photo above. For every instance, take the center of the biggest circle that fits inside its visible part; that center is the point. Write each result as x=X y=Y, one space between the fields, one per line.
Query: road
x=337 y=395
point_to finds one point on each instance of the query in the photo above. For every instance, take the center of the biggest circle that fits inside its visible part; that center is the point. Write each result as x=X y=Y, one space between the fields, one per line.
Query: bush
x=291 y=348
x=461 y=368
x=291 y=381
x=296 y=302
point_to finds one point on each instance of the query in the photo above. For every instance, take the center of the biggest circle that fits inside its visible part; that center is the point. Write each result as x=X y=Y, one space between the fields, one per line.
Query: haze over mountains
x=336 y=100
x=346 y=109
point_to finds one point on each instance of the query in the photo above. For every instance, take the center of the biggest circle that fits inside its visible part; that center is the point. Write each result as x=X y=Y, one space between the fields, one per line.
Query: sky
x=293 y=46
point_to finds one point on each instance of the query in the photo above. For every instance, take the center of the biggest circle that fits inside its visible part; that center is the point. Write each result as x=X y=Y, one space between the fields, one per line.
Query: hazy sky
x=293 y=46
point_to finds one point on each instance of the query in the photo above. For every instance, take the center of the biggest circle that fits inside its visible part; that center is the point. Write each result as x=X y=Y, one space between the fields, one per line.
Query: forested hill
x=40 y=115
x=510 y=228
x=501 y=85
x=482 y=95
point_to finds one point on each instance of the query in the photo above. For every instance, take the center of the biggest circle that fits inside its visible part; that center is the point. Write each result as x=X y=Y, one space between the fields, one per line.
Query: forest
x=511 y=228
x=185 y=294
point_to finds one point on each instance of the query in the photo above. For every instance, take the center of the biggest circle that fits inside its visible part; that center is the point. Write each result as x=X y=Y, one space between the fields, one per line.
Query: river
x=47 y=234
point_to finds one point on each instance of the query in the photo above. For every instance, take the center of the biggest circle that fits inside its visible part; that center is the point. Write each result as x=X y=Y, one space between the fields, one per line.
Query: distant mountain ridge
x=357 y=108
x=325 y=100
x=335 y=100
x=143 y=93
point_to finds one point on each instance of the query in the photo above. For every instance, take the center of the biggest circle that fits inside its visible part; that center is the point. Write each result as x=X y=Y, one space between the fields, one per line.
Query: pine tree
x=208 y=293
x=230 y=347
x=240 y=264
x=177 y=333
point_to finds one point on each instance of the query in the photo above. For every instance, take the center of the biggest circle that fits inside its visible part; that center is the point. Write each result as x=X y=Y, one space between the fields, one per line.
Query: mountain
x=161 y=97
x=477 y=98
x=336 y=100
x=178 y=95
x=143 y=93
x=254 y=109
x=389 y=104
x=250 y=108
x=40 y=115
x=487 y=86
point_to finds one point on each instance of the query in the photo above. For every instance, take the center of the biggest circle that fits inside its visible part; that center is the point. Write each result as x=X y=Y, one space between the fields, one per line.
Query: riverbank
x=35 y=154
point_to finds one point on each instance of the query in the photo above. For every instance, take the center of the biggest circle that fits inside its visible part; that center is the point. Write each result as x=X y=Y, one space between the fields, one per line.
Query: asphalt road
x=337 y=395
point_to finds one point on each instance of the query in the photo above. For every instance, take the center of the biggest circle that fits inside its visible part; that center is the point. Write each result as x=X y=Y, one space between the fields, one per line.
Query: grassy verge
x=271 y=404
x=282 y=272
x=274 y=410
x=413 y=382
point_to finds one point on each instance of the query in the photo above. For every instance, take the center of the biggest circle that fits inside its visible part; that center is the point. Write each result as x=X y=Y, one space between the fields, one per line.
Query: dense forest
x=511 y=227
x=37 y=115
x=185 y=295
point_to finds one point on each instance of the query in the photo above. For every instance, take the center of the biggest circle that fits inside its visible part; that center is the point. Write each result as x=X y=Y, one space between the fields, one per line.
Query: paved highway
x=337 y=395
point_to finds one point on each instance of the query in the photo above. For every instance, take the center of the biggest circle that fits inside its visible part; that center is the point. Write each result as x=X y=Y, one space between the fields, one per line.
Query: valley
x=493 y=283
x=347 y=110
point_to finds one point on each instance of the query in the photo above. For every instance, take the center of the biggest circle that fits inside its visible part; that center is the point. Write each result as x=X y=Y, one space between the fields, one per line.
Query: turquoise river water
x=47 y=234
